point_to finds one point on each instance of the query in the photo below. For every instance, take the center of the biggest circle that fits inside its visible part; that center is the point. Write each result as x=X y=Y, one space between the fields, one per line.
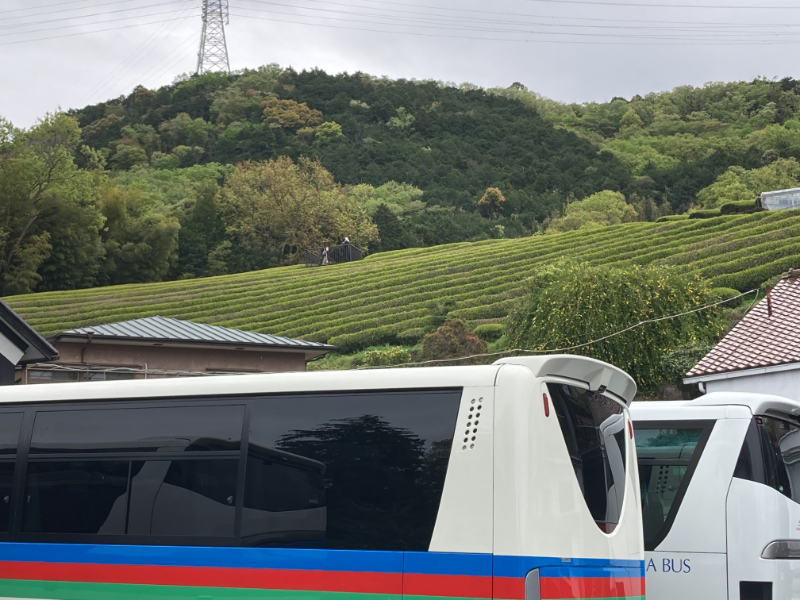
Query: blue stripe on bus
x=187 y=556
x=518 y=566
x=427 y=563
x=447 y=563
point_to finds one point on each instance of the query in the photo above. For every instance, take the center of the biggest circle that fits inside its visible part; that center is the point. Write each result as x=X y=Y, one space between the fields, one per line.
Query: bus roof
x=715 y=405
x=596 y=374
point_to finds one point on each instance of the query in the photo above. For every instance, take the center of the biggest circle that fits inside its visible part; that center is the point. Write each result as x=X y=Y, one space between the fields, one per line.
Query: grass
x=382 y=299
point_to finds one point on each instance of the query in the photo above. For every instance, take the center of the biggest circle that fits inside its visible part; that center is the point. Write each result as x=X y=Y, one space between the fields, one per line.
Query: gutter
x=795 y=366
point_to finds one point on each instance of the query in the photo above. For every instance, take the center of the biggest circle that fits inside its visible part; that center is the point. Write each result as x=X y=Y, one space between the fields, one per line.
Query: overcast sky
x=569 y=50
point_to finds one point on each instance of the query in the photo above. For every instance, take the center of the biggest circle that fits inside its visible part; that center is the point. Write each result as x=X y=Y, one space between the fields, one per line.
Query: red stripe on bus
x=590 y=587
x=509 y=588
x=463 y=586
x=276 y=579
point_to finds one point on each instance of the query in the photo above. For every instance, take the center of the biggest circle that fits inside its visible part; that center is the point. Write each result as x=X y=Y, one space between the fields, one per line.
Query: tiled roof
x=160 y=329
x=760 y=340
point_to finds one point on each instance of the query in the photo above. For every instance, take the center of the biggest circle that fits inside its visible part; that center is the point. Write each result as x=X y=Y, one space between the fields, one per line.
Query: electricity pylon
x=213 y=54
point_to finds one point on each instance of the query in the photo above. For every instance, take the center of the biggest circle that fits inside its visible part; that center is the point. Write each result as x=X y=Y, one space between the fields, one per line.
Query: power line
x=575 y=346
x=100 y=14
x=58 y=4
x=644 y=5
x=56 y=37
x=664 y=40
x=428 y=22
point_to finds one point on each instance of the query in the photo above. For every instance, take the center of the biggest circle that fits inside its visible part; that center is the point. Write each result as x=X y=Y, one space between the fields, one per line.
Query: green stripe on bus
x=59 y=590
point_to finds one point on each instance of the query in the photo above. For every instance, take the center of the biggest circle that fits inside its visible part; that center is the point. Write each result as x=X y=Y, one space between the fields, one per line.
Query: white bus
x=514 y=481
x=720 y=485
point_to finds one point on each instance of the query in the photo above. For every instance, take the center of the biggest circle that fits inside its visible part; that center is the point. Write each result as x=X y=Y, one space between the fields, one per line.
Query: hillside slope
x=382 y=299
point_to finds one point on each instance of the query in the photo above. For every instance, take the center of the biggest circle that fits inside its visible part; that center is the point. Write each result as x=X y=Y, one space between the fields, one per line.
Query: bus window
x=348 y=471
x=183 y=497
x=76 y=497
x=594 y=430
x=667 y=454
x=152 y=429
x=771 y=455
x=10 y=424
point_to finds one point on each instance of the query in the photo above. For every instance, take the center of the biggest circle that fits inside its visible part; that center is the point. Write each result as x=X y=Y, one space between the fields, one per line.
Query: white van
x=720 y=485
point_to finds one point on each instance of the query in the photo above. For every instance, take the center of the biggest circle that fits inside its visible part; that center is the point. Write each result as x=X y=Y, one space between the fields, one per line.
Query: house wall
x=781 y=383
x=160 y=358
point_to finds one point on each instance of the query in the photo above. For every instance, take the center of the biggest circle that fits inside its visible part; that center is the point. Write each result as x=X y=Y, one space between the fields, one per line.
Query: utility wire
x=165 y=12
x=647 y=5
x=49 y=6
x=458 y=24
x=66 y=35
x=82 y=16
x=660 y=41
x=690 y=27
x=573 y=347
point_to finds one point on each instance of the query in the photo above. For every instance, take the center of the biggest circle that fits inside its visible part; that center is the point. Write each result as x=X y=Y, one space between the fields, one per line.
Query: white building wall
x=780 y=383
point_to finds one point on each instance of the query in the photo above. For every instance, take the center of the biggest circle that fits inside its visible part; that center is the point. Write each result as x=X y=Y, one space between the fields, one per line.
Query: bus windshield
x=781 y=446
x=665 y=455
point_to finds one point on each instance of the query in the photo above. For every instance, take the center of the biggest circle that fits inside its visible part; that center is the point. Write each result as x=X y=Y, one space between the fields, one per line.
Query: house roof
x=28 y=345
x=760 y=340
x=175 y=331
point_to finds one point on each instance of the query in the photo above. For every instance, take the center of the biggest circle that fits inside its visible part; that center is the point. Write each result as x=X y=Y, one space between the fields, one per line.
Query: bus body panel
x=465 y=522
x=686 y=575
x=758 y=515
x=531 y=516
x=483 y=544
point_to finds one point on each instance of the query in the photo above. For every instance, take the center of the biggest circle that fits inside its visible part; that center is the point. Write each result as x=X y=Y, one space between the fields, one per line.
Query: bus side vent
x=755 y=590
x=532 y=589
x=473 y=419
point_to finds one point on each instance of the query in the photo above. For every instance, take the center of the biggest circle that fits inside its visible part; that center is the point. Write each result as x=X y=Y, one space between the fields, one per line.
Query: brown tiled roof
x=759 y=340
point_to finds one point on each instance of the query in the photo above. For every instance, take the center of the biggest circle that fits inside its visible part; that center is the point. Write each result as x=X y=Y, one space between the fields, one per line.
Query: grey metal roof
x=22 y=335
x=160 y=329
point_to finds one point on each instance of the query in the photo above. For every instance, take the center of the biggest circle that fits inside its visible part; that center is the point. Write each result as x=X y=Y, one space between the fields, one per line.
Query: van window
x=156 y=429
x=667 y=454
x=594 y=431
x=349 y=471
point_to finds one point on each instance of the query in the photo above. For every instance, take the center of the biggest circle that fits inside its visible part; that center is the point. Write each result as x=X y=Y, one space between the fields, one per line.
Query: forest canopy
x=151 y=186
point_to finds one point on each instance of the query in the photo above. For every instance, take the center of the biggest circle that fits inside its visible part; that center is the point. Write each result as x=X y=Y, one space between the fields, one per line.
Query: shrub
x=704 y=214
x=575 y=304
x=680 y=361
x=388 y=356
x=490 y=332
x=743 y=206
x=452 y=340
x=668 y=218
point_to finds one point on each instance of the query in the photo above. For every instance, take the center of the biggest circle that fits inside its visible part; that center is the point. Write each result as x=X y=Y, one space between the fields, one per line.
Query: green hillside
x=382 y=299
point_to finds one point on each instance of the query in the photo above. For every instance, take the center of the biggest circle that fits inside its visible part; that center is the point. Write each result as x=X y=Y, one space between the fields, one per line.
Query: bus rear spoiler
x=598 y=375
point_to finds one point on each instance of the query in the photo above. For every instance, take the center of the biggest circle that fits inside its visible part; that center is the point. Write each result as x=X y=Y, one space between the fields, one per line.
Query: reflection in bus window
x=76 y=497
x=348 y=471
x=594 y=430
x=664 y=456
x=183 y=497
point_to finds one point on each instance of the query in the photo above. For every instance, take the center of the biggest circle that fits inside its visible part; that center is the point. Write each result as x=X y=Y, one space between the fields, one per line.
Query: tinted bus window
x=666 y=458
x=170 y=429
x=183 y=497
x=353 y=471
x=10 y=424
x=594 y=430
x=76 y=497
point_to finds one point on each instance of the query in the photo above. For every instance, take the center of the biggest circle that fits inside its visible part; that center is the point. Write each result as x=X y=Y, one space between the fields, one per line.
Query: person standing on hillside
x=346 y=249
x=324 y=255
